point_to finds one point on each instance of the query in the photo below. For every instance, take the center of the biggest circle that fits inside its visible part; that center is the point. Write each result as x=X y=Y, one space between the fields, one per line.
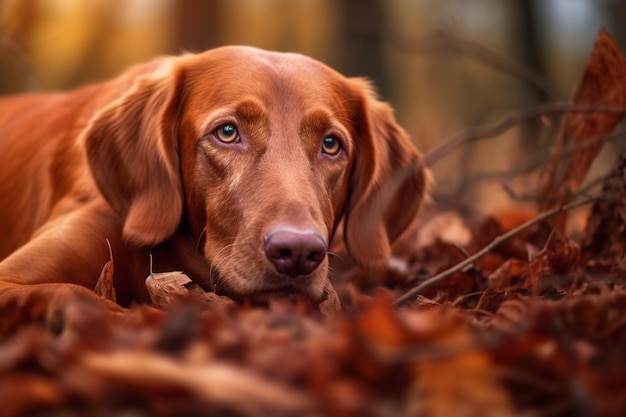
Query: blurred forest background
x=445 y=65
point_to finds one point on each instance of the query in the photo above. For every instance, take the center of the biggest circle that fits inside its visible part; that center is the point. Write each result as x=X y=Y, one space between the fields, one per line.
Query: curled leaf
x=104 y=287
x=168 y=288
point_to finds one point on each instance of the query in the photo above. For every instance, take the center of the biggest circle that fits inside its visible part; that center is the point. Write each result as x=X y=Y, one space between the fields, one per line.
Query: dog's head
x=259 y=154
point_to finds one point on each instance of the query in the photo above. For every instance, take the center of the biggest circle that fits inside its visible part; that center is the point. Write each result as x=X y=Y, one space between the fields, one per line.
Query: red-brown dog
x=234 y=166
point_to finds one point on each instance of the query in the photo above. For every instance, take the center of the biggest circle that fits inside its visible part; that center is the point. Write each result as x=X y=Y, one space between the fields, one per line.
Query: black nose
x=295 y=251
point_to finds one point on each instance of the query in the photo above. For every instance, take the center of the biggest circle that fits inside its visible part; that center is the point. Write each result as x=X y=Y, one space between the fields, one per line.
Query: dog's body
x=234 y=166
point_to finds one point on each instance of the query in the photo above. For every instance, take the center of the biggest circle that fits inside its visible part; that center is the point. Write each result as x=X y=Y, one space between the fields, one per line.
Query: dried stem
x=484 y=132
x=532 y=163
x=497 y=241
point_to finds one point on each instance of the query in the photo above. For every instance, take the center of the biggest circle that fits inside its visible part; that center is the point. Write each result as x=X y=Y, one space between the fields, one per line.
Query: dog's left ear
x=132 y=149
x=388 y=182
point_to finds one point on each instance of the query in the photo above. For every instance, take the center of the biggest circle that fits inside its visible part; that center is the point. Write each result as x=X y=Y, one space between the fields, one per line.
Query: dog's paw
x=75 y=311
x=64 y=309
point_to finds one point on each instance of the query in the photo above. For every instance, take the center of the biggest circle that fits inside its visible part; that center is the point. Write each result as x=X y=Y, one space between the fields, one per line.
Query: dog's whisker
x=199 y=240
x=214 y=275
x=336 y=255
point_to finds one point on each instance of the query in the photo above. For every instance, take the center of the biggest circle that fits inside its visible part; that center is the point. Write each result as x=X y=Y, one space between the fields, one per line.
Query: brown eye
x=227 y=133
x=331 y=145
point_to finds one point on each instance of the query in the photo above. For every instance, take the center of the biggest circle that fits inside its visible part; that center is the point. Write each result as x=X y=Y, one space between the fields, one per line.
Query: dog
x=235 y=165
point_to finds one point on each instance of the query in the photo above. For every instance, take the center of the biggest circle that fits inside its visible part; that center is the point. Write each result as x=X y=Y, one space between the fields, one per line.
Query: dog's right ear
x=132 y=150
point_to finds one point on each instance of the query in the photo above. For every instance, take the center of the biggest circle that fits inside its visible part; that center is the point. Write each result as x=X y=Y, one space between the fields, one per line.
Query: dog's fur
x=137 y=161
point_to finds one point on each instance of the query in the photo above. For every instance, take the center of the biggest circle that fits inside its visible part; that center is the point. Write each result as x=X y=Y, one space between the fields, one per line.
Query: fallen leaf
x=605 y=233
x=227 y=385
x=459 y=379
x=604 y=85
x=104 y=286
x=509 y=274
x=169 y=288
x=22 y=394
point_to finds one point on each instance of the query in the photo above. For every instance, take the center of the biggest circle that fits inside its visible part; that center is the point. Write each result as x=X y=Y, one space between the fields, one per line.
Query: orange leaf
x=381 y=325
x=603 y=85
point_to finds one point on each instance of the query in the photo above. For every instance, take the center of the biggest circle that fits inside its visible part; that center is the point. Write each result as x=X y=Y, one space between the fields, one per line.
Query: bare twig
x=484 y=132
x=582 y=192
x=533 y=162
x=494 y=243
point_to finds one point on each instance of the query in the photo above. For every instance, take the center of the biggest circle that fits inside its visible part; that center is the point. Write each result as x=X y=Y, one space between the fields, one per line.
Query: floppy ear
x=131 y=147
x=388 y=183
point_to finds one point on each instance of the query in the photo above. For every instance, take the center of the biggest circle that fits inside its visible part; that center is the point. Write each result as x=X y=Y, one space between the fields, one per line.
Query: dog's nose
x=295 y=251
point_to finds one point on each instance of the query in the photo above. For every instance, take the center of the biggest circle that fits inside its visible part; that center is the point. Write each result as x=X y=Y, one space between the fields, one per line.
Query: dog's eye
x=227 y=133
x=331 y=145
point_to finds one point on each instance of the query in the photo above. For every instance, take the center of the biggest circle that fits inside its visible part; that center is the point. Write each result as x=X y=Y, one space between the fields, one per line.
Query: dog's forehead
x=283 y=89
x=266 y=73
x=253 y=60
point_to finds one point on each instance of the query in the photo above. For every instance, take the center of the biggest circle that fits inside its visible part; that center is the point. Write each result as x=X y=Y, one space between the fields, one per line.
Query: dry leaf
x=380 y=324
x=21 y=395
x=462 y=385
x=565 y=258
x=604 y=85
x=104 y=287
x=166 y=288
x=510 y=273
x=169 y=288
x=605 y=234
x=222 y=384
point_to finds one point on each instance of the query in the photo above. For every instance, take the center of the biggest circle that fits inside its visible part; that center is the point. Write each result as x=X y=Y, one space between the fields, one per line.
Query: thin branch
x=534 y=198
x=484 y=132
x=497 y=241
x=527 y=166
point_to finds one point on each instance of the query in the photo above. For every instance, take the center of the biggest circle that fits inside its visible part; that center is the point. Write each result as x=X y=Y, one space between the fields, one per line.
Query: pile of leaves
x=499 y=315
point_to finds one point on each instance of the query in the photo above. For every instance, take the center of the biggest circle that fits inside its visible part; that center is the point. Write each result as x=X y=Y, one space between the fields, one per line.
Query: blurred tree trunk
x=16 y=74
x=363 y=24
x=198 y=24
x=526 y=32
x=615 y=12
x=530 y=51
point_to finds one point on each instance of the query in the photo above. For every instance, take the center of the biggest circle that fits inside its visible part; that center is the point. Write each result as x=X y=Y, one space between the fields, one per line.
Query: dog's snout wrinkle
x=295 y=252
